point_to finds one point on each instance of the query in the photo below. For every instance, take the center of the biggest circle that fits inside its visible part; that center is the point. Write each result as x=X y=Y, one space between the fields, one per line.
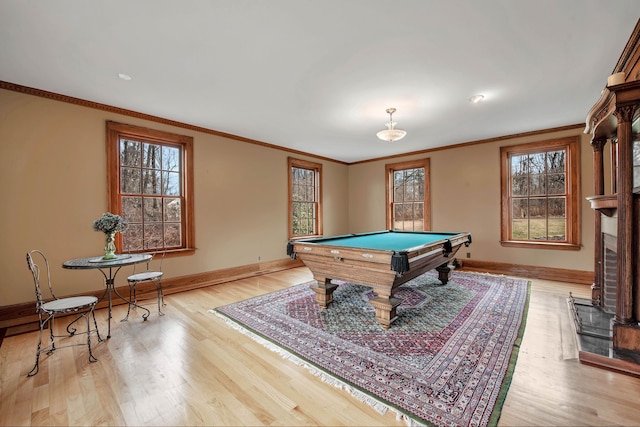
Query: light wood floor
x=189 y=368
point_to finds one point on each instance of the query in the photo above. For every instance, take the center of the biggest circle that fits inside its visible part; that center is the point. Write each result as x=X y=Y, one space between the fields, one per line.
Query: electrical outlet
x=468 y=254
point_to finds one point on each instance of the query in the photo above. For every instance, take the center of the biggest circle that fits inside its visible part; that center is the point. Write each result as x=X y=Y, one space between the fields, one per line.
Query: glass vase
x=110 y=247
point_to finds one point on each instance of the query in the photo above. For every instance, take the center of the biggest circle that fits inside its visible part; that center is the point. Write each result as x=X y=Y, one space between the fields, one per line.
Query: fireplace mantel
x=605 y=204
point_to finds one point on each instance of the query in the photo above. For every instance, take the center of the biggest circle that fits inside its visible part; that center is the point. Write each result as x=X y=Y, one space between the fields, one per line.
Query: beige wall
x=465 y=196
x=53 y=179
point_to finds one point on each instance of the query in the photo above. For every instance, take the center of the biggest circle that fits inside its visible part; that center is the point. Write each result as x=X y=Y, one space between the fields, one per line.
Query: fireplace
x=593 y=317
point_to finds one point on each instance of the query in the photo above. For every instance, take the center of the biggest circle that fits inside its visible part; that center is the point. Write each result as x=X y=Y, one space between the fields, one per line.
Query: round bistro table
x=109 y=269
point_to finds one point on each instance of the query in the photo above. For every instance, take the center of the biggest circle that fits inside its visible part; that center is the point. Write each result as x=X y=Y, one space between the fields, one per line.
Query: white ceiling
x=317 y=76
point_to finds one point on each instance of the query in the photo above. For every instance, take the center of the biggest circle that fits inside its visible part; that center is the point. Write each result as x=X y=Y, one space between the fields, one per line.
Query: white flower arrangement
x=109 y=223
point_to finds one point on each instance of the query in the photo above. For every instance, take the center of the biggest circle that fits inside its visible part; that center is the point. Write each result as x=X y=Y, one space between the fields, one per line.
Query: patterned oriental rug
x=447 y=360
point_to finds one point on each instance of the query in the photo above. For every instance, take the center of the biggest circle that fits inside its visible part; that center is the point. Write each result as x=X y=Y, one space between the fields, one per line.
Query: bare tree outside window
x=408 y=199
x=538 y=196
x=151 y=196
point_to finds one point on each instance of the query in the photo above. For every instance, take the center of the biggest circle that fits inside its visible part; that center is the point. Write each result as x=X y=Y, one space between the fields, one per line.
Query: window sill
x=541 y=245
x=180 y=252
x=171 y=252
x=310 y=236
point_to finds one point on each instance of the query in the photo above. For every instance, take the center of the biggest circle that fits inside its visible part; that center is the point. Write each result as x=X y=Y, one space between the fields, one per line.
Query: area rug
x=447 y=360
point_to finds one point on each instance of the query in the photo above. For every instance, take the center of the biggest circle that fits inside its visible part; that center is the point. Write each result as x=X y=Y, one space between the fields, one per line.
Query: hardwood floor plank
x=191 y=368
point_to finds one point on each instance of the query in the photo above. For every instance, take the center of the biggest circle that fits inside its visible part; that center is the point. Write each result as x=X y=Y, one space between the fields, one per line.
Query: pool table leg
x=444 y=273
x=324 y=291
x=385 y=309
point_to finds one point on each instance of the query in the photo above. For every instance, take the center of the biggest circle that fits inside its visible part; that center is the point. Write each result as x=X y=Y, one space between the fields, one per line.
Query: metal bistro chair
x=48 y=309
x=148 y=275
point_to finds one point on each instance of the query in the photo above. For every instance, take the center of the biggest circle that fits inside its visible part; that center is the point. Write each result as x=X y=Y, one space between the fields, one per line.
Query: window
x=540 y=186
x=305 y=198
x=150 y=182
x=408 y=204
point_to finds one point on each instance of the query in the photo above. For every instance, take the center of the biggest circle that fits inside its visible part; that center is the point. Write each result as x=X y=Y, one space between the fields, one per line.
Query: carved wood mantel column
x=598 y=143
x=614 y=165
x=598 y=164
x=626 y=247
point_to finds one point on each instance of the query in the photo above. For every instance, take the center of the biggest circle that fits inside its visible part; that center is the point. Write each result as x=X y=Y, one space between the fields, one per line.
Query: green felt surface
x=389 y=241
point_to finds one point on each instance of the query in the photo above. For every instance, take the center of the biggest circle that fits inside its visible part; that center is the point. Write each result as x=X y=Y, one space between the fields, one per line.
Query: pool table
x=383 y=260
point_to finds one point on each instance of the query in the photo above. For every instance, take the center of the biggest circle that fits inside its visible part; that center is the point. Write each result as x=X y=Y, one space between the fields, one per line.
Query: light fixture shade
x=391 y=134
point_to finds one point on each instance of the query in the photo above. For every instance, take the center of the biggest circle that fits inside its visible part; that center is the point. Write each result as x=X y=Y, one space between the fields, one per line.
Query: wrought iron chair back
x=148 y=275
x=47 y=307
x=35 y=271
